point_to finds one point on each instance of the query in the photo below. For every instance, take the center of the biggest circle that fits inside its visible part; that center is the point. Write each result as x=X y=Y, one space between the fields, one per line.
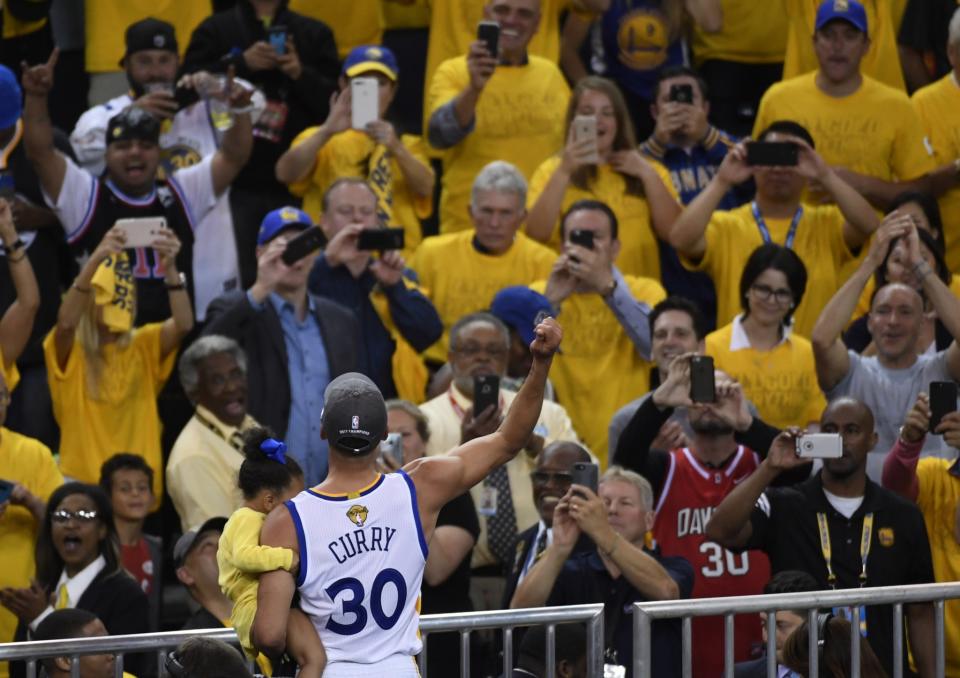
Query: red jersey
x=691 y=491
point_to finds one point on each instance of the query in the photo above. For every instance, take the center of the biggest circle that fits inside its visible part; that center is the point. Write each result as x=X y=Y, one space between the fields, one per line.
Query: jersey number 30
x=354 y=604
x=721 y=561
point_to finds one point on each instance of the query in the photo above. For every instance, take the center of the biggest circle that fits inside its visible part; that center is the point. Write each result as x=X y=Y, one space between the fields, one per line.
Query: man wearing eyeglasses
x=479 y=347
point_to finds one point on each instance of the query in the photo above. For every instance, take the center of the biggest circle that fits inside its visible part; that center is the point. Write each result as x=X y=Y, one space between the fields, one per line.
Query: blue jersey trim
x=416 y=513
x=301 y=542
x=344 y=496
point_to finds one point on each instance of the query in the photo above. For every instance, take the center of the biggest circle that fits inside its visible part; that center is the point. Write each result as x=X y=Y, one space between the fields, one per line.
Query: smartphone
x=6 y=489
x=305 y=243
x=703 y=389
x=585 y=128
x=277 y=37
x=365 y=106
x=392 y=448
x=584 y=238
x=141 y=231
x=380 y=239
x=486 y=392
x=162 y=87
x=186 y=96
x=587 y=474
x=820 y=446
x=682 y=93
x=943 y=400
x=489 y=32
x=772 y=153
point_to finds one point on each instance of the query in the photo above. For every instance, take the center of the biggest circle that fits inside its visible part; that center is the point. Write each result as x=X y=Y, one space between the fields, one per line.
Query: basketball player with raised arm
x=361 y=537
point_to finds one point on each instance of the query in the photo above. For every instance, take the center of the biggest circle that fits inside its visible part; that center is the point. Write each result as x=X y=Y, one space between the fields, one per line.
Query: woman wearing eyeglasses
x=774 y=366
x=78 y=566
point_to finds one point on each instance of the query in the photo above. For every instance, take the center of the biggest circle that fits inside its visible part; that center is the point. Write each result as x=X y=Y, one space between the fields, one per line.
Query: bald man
x=888 y=382
x=839 y=526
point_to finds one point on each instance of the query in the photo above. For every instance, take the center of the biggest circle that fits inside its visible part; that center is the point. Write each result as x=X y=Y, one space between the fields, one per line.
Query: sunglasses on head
x=64 y=516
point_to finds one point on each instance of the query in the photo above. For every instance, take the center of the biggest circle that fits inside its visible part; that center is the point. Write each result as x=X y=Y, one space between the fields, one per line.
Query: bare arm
x=480 y=66
x=47 y=161
x=448 y=547
x=180 y=322
x=879 y=192
x=944 y=178
x=900 y=466
x=298 y=161
x=707 y=14
x=921 y=632
x=914 y=70
x=575 y=31
x=545 y=212
x=535 y=588
x=419 y=177
x=269 y=631
x=17 y=322
x=237 y=143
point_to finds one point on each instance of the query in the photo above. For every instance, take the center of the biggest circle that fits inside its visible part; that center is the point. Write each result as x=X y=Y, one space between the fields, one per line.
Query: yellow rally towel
x=115 y=291
x=410 y=375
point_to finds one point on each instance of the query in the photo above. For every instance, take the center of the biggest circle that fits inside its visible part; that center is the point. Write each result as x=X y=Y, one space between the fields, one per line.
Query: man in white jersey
x=361 y=537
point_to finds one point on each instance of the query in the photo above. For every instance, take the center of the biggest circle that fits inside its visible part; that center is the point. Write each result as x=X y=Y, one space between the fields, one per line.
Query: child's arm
x=247 y=554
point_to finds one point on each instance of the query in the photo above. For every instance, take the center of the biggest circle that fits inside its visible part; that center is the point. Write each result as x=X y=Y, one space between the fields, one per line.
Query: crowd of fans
x=186 y=210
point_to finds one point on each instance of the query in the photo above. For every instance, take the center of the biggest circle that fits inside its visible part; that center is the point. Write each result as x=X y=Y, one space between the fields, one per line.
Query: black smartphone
x=380 y=239
x=486 y=392
x=772 y=153
x=6 y=489
x=703 y=389
x=277 y=36
x=587 y=474
x=582 y=237
x=943 y=401
x=682 y=93
x=185 y=96
x=489 y=32
x=305 y=243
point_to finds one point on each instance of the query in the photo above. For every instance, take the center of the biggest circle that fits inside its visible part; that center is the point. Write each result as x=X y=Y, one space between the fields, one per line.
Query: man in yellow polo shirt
x=860 y=125
x=484 y=107
x=606 y=346
x=826 y=237
x=937 y=105
x=461 y=272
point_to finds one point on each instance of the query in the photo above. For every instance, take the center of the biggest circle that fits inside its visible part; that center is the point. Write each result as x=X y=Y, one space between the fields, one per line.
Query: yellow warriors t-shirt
x=459 y=279
x=938 y=106
x=733 y=236
x=752 y=33
x=599 y=370
x=359 y=22
x=122 y=416
x=882 y=61
x=519 y=118
x=354 y=154
x=639 y=254
x=781 y=383
x=848 y=131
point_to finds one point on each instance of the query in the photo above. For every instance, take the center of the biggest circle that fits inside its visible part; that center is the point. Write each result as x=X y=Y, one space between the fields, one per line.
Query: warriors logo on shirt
x=176 y=157
x=357 y=514
x=642 y=38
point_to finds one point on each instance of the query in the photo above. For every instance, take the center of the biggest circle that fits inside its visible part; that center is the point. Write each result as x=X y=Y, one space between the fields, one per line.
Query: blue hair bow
x=274 y=449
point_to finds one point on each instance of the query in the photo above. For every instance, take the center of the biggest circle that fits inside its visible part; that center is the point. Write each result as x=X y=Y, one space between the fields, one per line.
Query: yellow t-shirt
x=639 y=254
x=938 y=498
x=241 y=559
x=848 y=132
x=123 y=417
x=460 y=280
x=599 y=370
x=11 y=375
x=882 y=61
x=349 y=154
x=733 y=236
x=106 y=21
x=753 y=33
x=414 y=15
x=361 y=24
x=28 y=462
x=937 y=105
x=781 y=383
x=519 y=118
x=14 y=27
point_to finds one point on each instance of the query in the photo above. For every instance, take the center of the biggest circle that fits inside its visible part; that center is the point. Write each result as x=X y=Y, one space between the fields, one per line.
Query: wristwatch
x=182 y=285
x=15 y=245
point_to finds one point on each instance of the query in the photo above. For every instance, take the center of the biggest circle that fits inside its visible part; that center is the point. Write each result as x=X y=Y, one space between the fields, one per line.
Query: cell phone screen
x=381 y=239
x=681 y=93
x=305 y=243
x=582 y=237
x=773 y=153
x=278 y=39
x=489 y=32
x=6 y=489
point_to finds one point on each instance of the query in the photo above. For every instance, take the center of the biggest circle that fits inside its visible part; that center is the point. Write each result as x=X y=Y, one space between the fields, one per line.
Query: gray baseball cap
x=189 y=539
x=354 y=416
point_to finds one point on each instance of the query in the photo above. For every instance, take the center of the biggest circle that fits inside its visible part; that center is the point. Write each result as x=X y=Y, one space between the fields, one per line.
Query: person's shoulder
x=719 y=339
x=452 y=67
x=118 y=584
x=645 y=289
x=435 y=406
x=938 y=92
x=880 y=92
x=435 y=244
x=28 y=450
x=542 y=66
x=302 y=21
x=791 y=87
x=524 y=244
x=753 y=668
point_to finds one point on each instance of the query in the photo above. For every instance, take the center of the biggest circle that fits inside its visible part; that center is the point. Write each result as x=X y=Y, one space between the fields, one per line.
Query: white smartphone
x=365 y=98
x=820 y=446
x=584 y=128
x=141 y=231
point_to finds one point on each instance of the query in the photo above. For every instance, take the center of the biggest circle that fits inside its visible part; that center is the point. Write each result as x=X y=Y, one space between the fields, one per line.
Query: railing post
x=812 y=649
x=728 y=646
x=507 y=652
x=939 y=647
x=641 y=644
x=855 y=641
x=465 y=654
x=897 y=640
x=687 y=647
x=422 y=659
x=595 y=644
x=551 y=651
x=75 y=666
x=772 y=644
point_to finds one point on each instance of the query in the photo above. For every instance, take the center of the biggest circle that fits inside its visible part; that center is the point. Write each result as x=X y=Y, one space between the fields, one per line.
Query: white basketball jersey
x=361 y=564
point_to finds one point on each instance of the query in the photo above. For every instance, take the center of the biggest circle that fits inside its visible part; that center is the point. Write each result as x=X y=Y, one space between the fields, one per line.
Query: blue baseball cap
x=850 y=11
x=11 y=98
x=518 y=307
x=281 y=219
x=368 y=58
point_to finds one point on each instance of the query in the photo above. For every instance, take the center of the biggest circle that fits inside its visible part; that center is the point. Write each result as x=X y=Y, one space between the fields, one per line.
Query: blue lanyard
x=765 y=232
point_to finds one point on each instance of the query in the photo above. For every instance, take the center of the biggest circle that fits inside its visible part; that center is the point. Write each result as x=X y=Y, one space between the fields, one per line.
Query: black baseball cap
x=354 y=415
x=150 y=33
x=133 y=123
x=189 y=539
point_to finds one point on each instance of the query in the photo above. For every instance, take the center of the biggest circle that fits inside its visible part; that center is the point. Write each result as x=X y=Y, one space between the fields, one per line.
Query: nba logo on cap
x=355 y=422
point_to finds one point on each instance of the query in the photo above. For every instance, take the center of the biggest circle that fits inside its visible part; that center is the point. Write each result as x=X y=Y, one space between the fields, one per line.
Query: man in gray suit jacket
x=296 y=343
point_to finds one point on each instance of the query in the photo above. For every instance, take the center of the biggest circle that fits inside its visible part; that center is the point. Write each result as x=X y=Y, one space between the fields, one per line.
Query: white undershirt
x=846 y=506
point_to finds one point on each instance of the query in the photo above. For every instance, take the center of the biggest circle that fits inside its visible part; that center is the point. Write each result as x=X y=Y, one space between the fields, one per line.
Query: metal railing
x=464 y=623
x=855 y=599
